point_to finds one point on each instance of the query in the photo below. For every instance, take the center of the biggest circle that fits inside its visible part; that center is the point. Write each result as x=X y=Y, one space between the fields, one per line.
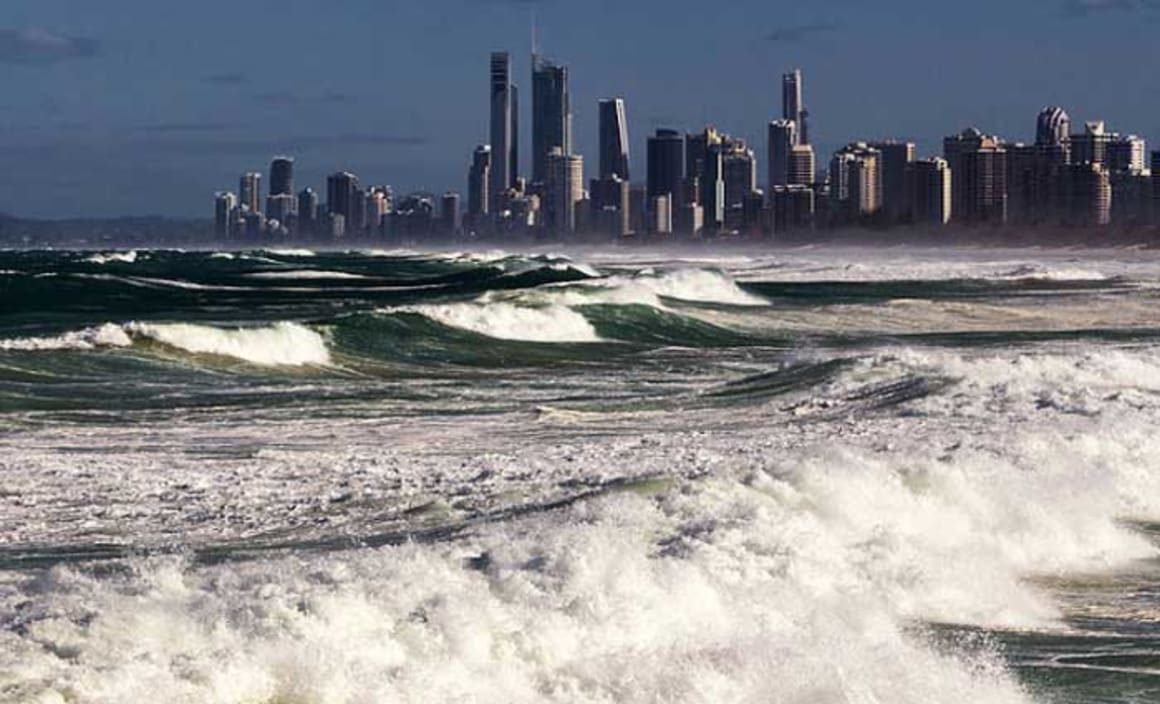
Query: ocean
x=814 y=475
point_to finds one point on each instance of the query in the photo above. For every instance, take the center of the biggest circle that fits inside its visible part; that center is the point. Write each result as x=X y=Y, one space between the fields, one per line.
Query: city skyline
x=106 y=108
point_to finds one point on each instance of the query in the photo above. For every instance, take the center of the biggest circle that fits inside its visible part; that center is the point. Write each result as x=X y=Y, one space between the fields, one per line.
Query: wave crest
x=281 y=344
x=507 y=321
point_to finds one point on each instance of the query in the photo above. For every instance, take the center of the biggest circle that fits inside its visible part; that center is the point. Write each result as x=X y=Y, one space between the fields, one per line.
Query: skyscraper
x=613 y=139
x=342 y=189
x=1126 y=154
x=978 y=165
x=282 y=176
x=503 y=129
x=782 y=140
x=1053 y=127
x=666 y=164
x=739 y=171
x=551 y=114
x=802 y=165
x=478 y=183
x=792 y=107
x=1084 y=195
x=250 y=191
x=712 y=180
x=308 y=212
x=930 y=191
x=563 y=192
x=1091 y=147
x=894 y=161
x=450 y=214
x=223 y=214
x=855 y=188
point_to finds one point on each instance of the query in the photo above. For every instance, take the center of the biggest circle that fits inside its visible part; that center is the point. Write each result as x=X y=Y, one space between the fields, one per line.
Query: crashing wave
x=107 y=335
x=128 y=257
x=507 y=321
x=281 y=344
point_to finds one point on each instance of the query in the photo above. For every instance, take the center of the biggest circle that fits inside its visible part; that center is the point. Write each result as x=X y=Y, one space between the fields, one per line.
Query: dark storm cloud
x=1087 y=8
x=41 y=47
x=801 y=32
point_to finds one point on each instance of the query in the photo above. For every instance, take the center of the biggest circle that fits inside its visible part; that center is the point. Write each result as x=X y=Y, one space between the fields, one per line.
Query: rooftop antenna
x=535 y=45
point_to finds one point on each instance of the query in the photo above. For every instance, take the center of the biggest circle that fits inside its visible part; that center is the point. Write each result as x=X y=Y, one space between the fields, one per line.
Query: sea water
x=814 y=475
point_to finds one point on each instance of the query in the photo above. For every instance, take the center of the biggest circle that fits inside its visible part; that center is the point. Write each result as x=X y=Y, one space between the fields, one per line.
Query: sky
x=140 y=107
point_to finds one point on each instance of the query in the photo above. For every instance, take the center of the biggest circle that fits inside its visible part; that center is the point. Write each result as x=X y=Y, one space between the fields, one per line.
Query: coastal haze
x=677 y=356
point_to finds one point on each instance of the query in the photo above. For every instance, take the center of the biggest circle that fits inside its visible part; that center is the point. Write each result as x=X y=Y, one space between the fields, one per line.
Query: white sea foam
x=291 y=252
x=281 y=344
x=1045 y=273
x=128 y=257
x=304 y=274
x=108 y=335
x=508 y=321
x=646 y=288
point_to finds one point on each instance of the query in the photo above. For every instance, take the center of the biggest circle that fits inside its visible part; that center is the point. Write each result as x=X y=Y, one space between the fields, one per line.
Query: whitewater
x=814 y=475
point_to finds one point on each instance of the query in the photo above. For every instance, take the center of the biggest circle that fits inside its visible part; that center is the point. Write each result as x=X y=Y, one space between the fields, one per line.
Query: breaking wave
x=280 y=344
x=507 y=321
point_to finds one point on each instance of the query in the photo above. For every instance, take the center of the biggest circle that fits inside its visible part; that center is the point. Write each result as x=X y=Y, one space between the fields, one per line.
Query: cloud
x=41 y=47
x=800 y=32
x=1088 y=8
x=227 y=79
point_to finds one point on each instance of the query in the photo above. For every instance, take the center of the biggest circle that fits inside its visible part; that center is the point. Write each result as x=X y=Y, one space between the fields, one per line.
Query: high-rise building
x=282 y=208
x=504 y=137
x=1084 y=195
x=661 y=215
x=1091 y=147
x=782 y=140
x=563 y=192
x=376 y=209
x=613 y=139
x=1053 y=127
x=793 y=208
x=1127 y=154
x=792 y=106
x=895 y=158
x=930 y=191
x=450 y=214
x=551 y=114
x=739 y=171
x=308 y=212
x=1131 y=199
x=342 y=191
x=802 y=165
x=478 y=185
x=224 y=202
x=855 y=189
x=282 y=176
x=978 y=164
x=611 y=207
x=712 y=181
x=666 y=164
x=250 y=191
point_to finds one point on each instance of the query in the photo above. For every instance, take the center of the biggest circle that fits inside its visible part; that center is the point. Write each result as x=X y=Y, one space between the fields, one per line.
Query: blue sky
x=147 y=107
